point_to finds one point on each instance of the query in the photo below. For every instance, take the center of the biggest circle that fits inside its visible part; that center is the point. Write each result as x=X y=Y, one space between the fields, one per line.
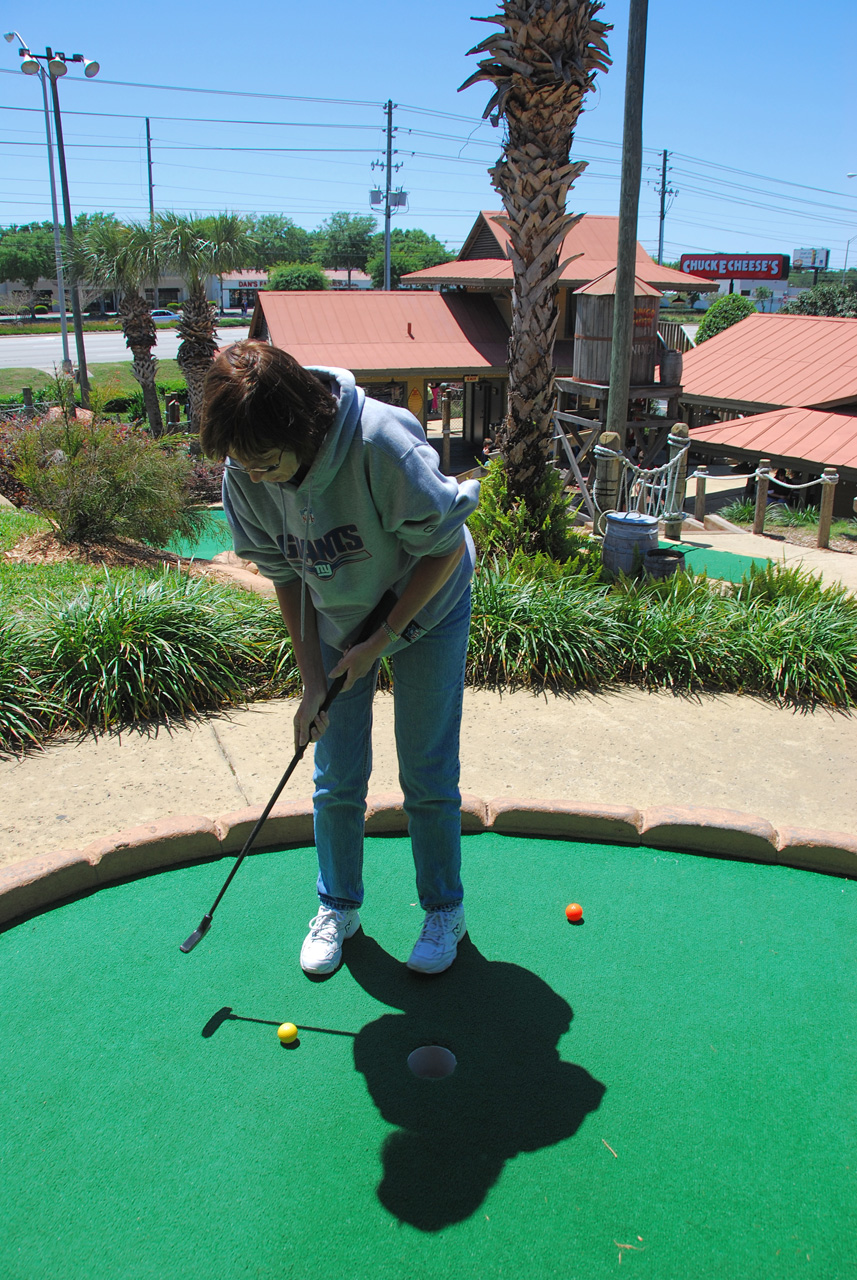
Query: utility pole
x=629 y=199
x=663 y=207
x=151 y=195
x=387 y=206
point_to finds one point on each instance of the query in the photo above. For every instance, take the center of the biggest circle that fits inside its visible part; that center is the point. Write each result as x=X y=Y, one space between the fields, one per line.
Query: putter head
x=217 y=1020
x=197 y=935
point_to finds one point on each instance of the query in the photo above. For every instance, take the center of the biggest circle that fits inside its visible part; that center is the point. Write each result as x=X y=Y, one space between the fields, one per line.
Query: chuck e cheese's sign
x=744 y=266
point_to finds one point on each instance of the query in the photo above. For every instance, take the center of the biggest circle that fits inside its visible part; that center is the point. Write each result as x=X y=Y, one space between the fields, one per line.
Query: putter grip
x=370 y=626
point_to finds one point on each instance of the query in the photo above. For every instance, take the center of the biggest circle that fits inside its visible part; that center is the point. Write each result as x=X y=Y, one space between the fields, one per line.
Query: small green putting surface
x=667 y=1088
x=217 y=538
x=726 y=565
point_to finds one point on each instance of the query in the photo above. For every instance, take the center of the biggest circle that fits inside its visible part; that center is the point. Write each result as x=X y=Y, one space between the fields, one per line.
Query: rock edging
x=41 y=882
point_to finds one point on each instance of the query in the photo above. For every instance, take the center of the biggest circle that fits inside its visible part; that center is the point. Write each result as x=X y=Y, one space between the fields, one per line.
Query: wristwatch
x=412 y=632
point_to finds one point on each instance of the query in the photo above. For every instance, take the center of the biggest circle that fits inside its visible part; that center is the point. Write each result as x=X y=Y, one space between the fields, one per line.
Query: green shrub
x=502 y=525
x=133 y=405
x=297 y=276
x=172 y=387
x=803 y=651
x=26 y=709
x=552 y=632
x=723 y=313
x=678 y=633
x=96 y=481
x=143 y=649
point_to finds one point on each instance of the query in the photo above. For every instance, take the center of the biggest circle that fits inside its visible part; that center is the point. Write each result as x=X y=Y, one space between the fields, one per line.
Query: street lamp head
x=57 y=67
x=90 y=67
x=29 y=65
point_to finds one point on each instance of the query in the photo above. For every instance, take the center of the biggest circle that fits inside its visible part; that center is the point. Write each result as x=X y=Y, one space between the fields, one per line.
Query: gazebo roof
x=605 y=285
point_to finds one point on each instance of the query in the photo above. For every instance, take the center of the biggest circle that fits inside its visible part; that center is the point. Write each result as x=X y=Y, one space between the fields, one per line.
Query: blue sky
x=755 y=105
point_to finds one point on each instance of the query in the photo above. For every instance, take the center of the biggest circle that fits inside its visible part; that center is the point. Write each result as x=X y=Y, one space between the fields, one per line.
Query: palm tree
x=121 y=256
x=542 y=61
x=195 y=248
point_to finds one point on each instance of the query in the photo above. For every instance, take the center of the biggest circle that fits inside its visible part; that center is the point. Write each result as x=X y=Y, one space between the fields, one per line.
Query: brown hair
x=257 y=398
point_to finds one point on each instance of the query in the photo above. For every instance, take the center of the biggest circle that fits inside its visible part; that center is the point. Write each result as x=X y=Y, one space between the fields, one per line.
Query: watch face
x=412 y=632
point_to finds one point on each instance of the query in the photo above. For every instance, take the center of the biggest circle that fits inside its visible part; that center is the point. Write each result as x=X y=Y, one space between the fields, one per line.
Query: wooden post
x=27 y=393
x=672 y=528
x=608 y=474
x=445 y=416
x=825 y=514
x=629 y=199
x=761 y=496
x=699 y=502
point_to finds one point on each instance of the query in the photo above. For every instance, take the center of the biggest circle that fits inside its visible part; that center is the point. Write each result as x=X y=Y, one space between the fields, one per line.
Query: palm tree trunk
x=542 y=62
x=140 y=336
x=198 y=348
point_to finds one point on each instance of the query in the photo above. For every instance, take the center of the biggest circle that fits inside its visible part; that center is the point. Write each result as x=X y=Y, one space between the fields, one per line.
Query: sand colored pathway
x=629 y=747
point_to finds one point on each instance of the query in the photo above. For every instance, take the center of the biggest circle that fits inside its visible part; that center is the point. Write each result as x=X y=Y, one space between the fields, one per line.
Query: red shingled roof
x=772 y=360
x=789 y=436
x=400 y=331
x=592 y=242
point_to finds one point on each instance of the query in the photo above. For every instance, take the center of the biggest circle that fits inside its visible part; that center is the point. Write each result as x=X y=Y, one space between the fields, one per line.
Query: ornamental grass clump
x=156 y=649
x=801 y=636
x=26 y=710
x=679 y=633
x=531 y=632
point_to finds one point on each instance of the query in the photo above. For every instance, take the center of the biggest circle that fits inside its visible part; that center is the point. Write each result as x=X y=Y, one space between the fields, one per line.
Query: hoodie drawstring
x=307 y=515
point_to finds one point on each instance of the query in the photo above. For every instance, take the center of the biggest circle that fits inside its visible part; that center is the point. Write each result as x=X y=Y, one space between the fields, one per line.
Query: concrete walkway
x=630 y=747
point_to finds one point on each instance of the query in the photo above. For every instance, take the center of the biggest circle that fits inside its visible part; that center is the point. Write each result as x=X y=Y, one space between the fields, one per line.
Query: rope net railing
x=653 y=491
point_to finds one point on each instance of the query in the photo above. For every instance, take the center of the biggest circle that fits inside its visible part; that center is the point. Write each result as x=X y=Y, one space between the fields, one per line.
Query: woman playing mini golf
x=338 y=498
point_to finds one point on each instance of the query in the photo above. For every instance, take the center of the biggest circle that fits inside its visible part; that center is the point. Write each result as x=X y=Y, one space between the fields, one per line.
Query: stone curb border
x=41 y=882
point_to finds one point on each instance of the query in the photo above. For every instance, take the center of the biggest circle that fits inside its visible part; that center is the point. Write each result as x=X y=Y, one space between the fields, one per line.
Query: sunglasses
x=257 y=471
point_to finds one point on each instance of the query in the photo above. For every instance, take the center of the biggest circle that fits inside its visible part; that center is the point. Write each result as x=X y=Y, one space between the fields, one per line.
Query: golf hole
x=432 y=1062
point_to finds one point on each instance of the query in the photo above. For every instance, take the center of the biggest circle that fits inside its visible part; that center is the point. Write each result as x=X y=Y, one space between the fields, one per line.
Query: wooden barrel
x=663 y=562
x=671 y=364
x=630 y=535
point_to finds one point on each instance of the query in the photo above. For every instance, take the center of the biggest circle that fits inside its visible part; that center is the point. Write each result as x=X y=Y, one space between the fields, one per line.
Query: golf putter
x=371 y=625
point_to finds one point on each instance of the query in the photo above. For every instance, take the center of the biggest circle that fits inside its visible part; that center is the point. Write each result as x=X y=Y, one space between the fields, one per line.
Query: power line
x=223 y=93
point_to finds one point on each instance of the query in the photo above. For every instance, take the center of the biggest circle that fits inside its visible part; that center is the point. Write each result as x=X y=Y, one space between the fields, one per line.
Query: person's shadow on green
x=510 y=1091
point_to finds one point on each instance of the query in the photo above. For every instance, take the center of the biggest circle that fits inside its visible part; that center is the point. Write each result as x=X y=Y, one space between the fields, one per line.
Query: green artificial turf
x=216 y=538
x=725 y=565
x=667 y=1088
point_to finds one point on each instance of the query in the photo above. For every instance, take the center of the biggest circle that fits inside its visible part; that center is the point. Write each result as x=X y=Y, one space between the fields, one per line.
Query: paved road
x=44 y=351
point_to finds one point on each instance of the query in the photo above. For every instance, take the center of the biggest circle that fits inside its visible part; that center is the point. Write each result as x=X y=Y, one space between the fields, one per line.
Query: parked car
x=164 y=317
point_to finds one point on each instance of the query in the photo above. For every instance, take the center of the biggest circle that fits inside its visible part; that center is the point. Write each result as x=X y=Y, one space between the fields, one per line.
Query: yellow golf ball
x=287 y=1032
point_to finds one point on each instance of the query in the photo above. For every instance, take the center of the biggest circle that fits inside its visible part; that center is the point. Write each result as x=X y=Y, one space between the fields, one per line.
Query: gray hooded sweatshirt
x=373 y=503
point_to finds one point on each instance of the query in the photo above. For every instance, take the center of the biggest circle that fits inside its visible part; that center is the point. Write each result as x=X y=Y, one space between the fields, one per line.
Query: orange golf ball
x=287 y=1032
x=574 y=912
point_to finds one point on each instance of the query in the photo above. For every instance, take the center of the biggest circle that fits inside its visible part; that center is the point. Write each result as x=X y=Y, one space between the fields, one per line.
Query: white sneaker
x=322 y=948
x=437 y=944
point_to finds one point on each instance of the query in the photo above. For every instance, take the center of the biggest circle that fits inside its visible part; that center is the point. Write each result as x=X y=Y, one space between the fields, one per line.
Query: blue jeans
x=428 y=688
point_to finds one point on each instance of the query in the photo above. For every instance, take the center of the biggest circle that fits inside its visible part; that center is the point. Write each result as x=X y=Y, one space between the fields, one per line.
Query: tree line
x=343 y=242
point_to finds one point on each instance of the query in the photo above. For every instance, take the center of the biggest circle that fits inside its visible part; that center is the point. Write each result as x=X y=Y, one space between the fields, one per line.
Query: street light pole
x=848 y=244
x=69 y=231
x=58 y=66
x=58 y=241
x=66 y=359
